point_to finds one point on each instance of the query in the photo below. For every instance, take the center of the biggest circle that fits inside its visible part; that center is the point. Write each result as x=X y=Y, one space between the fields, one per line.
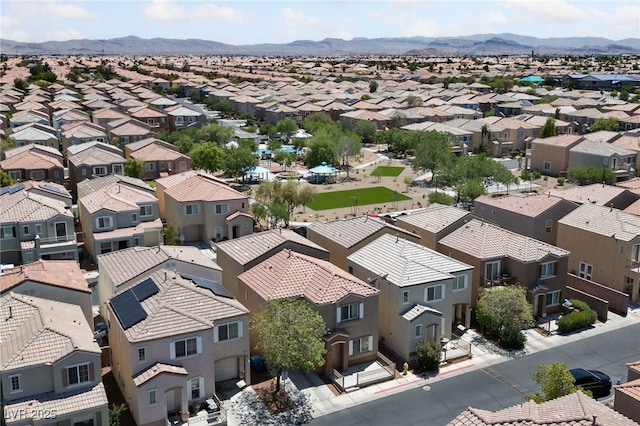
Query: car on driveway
x=592 y=380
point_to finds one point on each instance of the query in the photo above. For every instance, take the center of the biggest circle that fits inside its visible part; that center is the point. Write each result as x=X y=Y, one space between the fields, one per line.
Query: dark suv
x=592 y=380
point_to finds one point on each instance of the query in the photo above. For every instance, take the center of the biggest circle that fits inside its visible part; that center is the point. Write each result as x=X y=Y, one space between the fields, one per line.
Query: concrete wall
x=601 y=306
x=618 y=301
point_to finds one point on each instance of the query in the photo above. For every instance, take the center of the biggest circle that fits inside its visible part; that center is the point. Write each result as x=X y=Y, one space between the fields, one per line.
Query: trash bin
x=257 y=364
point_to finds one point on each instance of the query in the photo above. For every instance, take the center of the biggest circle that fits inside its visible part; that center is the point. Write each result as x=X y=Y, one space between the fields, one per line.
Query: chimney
x=36 y=241
x=593 y=420
x=10 y=313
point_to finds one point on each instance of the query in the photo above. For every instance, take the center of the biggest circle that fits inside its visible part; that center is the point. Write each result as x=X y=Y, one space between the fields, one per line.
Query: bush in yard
x=429 y=355
x=512 y=337
x=583 y=316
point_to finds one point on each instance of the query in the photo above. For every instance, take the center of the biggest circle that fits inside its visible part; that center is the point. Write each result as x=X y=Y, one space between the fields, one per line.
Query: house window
x=548 y=269
x=37 y=175
x=433 y=293
x=186 y=347
x=25 y=230
x=548 y=226
x=546 y=165
x=162 y=120
x=635 y=252
x=218 y=233
x=163 y=165
x=152 y=396
x=418 y=331
x=605 y=161
x=459 y=282
x=492 y=270
x=15 y=383
x=28 y=257
x=7 y=232
x=405 y=296
x=246 y=226
x=78 y=374
x=124 y=139
x=350 y=312
x=142 y=354
x=553 y=298
x=134 y=217
x=38 y=228
x=15 y=174
x=192 y=209
x=195 y=387
x=136 y=241
x=179 y=120
x=585 y=270
x=149 y=167
x=230 y=331
x=105 y=248
x=222 y=208
x=146 y=210
x=151 y=121
x=117 y=169
x=192 y=119
x=84 y=172
x=103 y=222
x=182 y=166
x=100 y=171
x=358 y=346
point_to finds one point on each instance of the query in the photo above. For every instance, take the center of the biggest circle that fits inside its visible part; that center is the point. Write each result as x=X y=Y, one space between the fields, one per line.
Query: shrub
x=511 y=337
x=429 y=355
x=560 y=181
x=582 y=317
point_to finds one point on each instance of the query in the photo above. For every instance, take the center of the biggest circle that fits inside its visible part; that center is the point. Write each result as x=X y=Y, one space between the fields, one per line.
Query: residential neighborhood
x=152 y=207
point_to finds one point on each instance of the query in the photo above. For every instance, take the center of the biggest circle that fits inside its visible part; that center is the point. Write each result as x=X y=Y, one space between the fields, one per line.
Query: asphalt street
x=494 y=387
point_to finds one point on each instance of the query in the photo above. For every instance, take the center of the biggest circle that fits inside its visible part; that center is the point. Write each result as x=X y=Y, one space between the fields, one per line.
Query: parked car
x=592 y=380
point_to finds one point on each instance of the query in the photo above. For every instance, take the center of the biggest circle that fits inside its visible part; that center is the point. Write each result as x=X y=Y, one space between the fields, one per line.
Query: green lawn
x=390 y=171
x=340 y=199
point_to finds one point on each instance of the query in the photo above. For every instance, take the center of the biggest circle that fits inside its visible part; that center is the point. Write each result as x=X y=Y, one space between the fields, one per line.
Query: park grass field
x=365 y=196
x=387 y=171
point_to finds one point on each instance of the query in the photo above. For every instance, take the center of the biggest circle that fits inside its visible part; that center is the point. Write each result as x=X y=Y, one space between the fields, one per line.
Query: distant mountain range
x=479 y=44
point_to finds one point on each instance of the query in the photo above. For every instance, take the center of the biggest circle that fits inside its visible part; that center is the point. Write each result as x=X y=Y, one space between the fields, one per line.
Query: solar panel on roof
x=214 y=287
x=53 y=189
x=127 y=309
x=15 y=188
x=145 y=289
x=4 y=190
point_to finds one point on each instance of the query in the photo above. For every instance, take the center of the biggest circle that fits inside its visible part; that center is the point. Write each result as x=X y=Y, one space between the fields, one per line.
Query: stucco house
x=433 y=222
x=34 y=162
x=91 y=159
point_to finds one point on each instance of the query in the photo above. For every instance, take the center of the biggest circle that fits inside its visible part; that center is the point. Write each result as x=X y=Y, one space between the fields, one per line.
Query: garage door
x=191 y=233
x=226 y=369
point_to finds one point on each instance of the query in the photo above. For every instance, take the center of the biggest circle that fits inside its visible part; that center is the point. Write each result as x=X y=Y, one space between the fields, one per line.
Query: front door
x=171 y=401
x=235 y=231
x=122 y=244
x=61 y=231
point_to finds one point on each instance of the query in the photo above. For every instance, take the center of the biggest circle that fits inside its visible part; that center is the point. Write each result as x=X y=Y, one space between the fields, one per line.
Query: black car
x=592 y=380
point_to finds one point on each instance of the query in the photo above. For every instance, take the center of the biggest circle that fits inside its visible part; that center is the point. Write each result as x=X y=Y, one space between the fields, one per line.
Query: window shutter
x=555 y=268
x=361 y=311
x=92 y=373
x=215 y=334
x=350 y=347
x=65 y=377
x=540 y=271
x=240 y=329
x=201 y=387
x=189 y=389
x=172 y=350
x=199 y=344
x=339 y=318
x=370 y=343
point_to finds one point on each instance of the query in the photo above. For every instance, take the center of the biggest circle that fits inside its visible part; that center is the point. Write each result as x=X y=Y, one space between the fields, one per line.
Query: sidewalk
x=323 y=401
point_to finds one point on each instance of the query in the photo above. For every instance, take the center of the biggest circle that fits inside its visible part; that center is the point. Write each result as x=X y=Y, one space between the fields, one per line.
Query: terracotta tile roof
x=116 y=197
x=95 y=156
x=417 y=310
x=596 y=193
x=131 y=129
x=24 y=206
x=41 y=331
x=526 y=205
x=561 y=140
x=631 y=389
x=485 y=241
x=128 y=232
x=575 y=409
x=605 y=221
x=197 y=186
x=157 y=369
x=30 y=160
x=157 y=152
x=290 y=274
x=351 y=231
x=59 y=273
x=434 y=218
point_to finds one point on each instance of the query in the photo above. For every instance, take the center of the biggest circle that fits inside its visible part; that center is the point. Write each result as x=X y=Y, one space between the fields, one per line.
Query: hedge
x=582 y=317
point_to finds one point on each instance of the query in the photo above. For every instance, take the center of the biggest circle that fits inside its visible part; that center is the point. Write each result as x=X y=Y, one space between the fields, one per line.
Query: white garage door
x=226 y=369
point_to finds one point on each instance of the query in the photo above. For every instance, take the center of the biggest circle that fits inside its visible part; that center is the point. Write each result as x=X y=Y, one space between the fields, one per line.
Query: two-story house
x=119 y=216
x=203 y=208
x=93 y=159
x=433 y=222
x=159 y=158
x=172 y=338
x=34 y=226
x=621 y=161
x=181 y=117
x=502 y=257
x=127 y=130
x=423 y=293
x=35 y=133
x=348 y=305
x=605 y=246
x=155 y=118
x=80 y=132
x=600 y=194
x=34 y=162
x=550 y=156
x=49 y=364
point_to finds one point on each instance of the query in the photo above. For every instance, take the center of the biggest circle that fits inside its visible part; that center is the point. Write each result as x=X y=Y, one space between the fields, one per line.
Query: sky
x=241 y=22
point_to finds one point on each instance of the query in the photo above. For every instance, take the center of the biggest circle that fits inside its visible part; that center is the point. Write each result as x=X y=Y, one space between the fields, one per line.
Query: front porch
x=364 y=374
x=209 y=412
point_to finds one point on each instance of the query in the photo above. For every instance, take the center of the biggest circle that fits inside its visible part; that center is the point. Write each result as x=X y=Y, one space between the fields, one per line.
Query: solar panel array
x=126 y=305
x=15 y=188
x=145 y=289
x=53 y=189
x=213 y=286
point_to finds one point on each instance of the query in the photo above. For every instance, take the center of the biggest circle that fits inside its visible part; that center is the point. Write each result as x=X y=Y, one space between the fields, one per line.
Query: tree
x=171 y=236
x=316 y=120
x=549 y=128
x=433 y=153
x=5 y=179
x=429 y=354
x=348 y=147
x=591 y=174
x=115 y=411
x=555 y=380
x=414 y=101
x=5 y=145
x=373 y=86
x=259 y=212
x=501 y=307
x=207 y=156
x=289 y=335
x=236 y=161
x=286 y=126
x=366 y=130
x=609 y=123
x=133 y=167
x=485 y=138
x=529 y=175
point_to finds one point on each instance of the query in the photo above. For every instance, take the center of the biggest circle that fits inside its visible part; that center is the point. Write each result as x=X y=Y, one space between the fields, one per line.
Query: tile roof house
x=203 y=208
x=550 y=156
x=155 y=118
x=627 y=395
x=185 y=335
x=181 y=117
x=605 y=246
x=49 y=363
x=424 y=293
x=119 y=269
x=621 y=161
x=21 y=118
x=501 y=257
x=89 y=186
x=128 y=130
x=344 y=236
x=119 y=216
x=34 y=162
x=433 y=222
x=531 y=215
x=91 y=159
x=80 y=132
x=159 y=158
x=34 y=226
x=576 y=409
x=348 y=305
x=35 y=133
x=602 y=195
